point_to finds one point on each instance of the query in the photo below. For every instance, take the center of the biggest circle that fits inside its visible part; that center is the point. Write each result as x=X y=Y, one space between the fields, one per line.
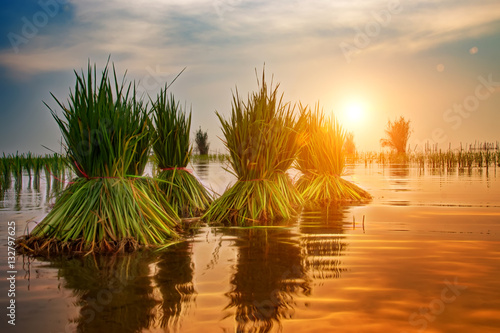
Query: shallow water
x=422 y=256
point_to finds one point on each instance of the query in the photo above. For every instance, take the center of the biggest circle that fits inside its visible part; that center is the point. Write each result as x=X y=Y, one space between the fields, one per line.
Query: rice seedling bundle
x=109 y=206
x=172 y=149
x=322 y=162
x=262 y=138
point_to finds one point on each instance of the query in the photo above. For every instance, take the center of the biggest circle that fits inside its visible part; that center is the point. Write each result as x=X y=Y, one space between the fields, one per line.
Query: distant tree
x=201 y=140
x=398 y=133
x=349 y=146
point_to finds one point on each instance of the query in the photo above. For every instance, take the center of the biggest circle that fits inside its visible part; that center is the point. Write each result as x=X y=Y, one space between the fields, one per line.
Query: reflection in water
x=130 y=293
x=276 y=265
x=27 y=195
x=321 y=241
x=436 y=171
x=399 y=181
x=174 y=279
x=267 y=276
x=399 y=176
x=36 y=182
x=18 y=206
x=112 y=292
x=201 y=168
x=3 y=188
x=398 y=171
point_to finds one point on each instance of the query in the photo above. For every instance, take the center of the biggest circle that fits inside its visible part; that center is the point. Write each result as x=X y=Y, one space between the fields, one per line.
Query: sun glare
x=354 y=112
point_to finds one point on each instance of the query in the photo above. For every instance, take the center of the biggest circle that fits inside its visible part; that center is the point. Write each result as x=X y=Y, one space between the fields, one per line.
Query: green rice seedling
x=488 y=157
x=322 y=162
x=17 y=170
x=469 y=159
x=221 y=158
x=54 y=169
x=263 y=140
x=109 y=207
x=461 y=159
x=451 y=159
x=478 y=158
x=48 y=177
x=27 y=165
x=4 y=175
x=38 y=164
x=6 y=171
x=172 y=149
x=421 y=160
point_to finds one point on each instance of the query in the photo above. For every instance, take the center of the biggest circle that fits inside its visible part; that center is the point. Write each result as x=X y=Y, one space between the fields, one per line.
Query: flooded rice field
x=423 y=255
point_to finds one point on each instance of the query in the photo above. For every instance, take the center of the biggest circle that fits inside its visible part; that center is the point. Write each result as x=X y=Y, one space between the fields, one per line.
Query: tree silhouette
x=398 y=133
x=201 y=140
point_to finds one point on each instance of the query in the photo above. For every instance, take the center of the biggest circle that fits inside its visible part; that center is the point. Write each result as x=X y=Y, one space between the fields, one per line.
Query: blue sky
x=433 y=62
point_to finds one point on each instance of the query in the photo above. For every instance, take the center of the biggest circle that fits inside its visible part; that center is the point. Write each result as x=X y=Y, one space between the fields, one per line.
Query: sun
x=354 y=112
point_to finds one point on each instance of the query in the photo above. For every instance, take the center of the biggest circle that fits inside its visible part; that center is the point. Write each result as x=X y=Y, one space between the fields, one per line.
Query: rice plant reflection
x=267 y=276
x=201 y=168
x=275 y=266
x=174 y=279
x=322 y=243
x=130 y=293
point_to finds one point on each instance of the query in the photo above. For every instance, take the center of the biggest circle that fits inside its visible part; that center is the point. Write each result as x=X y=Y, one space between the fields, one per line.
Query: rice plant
x=17 y=171
x=108 y=207
x=262 y=138
x=172 y=149
x=38 y=164
x=322 y=162
x=27 y=163
x=5 y=166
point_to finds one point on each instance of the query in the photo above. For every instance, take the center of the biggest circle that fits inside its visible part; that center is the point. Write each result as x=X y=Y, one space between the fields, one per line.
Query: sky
x=435 y=62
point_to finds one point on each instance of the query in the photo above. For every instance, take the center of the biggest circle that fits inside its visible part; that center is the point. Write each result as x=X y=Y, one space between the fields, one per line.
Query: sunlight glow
x=354 y=112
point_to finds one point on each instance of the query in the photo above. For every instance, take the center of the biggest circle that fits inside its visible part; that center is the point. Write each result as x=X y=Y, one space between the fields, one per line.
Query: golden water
x=426 y=259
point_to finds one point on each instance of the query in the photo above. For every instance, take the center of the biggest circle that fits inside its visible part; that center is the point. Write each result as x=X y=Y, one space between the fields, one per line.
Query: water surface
x=422 y=256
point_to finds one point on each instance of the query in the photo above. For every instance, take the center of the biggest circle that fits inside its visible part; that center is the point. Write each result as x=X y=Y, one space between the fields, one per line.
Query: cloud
x=141 y=33
x=422 y=26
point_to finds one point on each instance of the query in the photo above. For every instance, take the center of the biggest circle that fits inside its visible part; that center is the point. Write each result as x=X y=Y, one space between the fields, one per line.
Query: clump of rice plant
x=262 y=138
x=172 y=150
x=322 y=161
x=109 y=206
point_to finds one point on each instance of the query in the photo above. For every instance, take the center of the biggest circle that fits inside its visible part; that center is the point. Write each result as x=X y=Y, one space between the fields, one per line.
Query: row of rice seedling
x=450 y=159
x=218 y=157
x=456 y=159
x=16 y=165
x=5 y=173
x=109 y=206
